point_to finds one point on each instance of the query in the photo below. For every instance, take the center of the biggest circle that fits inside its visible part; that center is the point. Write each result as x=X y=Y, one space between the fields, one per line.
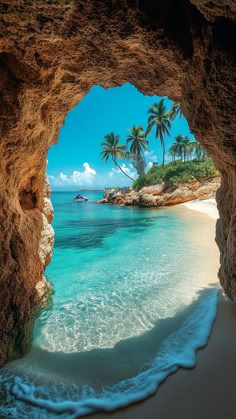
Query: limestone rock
x=51 y=54
x=160 y=195
x=47 y=205
x=43 y=288
x=46 y=243
x=153 y=189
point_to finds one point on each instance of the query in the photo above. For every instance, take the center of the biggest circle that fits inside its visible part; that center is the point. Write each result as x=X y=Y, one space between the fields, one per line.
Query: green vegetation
x=189 y=160
x=137 y=141
x=111 y=148
x=185 y=149
x=178 y=173
x=160 y=119
x=175 y=110
x=140 y=164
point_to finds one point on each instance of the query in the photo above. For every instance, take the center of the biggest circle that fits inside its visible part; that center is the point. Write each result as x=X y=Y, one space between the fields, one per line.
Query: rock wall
x=160 y=195
x=51 y=53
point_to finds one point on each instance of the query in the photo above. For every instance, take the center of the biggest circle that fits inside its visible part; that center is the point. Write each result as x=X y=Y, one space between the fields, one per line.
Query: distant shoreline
x=90 y=190
x=80 y=190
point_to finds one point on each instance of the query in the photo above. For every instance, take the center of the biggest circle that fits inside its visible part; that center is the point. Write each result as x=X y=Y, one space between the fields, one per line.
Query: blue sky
x=74 y=162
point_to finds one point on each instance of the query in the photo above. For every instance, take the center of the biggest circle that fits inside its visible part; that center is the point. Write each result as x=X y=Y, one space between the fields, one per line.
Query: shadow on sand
x=101 y=367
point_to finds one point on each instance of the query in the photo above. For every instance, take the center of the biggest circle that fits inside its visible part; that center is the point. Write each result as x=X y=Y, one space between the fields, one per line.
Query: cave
x=52 y=53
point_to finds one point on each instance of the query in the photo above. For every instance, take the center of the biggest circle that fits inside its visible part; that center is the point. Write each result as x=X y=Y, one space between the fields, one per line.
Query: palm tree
x=159 y=118
x=179 y=145
x=138 y=140
x=196 y=148
x=140 y=164
x=173 y=152
x=111 y=147
x=175 y=110
x=186 y=147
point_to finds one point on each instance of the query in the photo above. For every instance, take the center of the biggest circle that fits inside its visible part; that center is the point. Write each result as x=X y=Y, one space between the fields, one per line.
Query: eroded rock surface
x=161 y=195
x=51 y=54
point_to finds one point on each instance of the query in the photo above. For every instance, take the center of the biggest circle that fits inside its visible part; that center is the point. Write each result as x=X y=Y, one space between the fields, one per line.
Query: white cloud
x=64 y=178
x=149 y=165
x=90 y=178
x=84 y=178
x=117 y=174
x=150 y=155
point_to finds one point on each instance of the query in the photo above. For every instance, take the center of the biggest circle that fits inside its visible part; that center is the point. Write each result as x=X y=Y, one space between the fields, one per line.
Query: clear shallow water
x=128 y=308
x=116 y=271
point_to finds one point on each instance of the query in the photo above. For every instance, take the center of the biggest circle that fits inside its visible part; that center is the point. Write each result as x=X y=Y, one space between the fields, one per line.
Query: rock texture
x=161 y=195
x=51 y=53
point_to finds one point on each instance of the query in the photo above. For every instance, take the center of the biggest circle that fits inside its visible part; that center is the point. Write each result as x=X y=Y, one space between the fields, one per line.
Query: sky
x=74 y=162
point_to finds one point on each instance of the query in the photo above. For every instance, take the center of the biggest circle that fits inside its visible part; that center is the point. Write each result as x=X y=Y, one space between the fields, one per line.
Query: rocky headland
x=161 y=195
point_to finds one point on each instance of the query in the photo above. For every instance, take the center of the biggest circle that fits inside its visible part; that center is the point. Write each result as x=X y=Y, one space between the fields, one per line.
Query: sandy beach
x=207 y=206
x=208 y=390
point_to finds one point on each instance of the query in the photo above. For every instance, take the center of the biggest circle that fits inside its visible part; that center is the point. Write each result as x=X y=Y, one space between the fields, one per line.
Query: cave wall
x=51 y=53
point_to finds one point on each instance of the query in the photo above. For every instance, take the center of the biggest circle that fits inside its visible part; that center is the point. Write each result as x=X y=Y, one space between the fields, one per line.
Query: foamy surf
x=28 y=400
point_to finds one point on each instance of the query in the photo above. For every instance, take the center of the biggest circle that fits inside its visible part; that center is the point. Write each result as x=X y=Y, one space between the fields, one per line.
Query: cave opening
x=120 y=293
x=90 y=308
x=60 y=52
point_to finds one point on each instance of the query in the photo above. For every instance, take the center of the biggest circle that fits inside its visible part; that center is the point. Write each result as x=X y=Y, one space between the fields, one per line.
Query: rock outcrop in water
x=161 y=195
x=51 y=54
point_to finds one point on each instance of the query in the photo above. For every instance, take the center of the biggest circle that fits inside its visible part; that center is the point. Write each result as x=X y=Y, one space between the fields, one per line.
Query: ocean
x=130 y=305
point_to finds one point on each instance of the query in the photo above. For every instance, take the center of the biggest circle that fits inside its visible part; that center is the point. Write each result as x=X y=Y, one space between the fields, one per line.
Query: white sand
x=207 y=206
x=208 y=390
x=204 y=392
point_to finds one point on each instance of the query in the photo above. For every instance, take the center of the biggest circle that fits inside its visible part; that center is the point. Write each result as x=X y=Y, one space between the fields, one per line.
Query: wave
x=49 y=403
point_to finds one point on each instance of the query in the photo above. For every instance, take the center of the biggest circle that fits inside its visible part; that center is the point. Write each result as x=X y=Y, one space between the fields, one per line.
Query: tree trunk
x=163 y=146
x=116 y=164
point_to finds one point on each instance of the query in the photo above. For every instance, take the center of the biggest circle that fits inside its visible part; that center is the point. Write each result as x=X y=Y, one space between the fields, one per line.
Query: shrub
x=175 y=174
x=139 y=183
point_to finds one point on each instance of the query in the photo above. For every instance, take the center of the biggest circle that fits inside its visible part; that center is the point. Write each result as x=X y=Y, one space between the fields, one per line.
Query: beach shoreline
x=207 y=390
x=191 y=393
x=206 y=206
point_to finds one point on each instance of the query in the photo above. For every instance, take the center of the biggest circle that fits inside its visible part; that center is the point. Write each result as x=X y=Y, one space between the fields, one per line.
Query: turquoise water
x=129 y=307
x=115 y=270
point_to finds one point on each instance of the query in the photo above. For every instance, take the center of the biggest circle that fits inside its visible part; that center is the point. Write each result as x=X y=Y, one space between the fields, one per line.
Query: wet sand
x=207 y=391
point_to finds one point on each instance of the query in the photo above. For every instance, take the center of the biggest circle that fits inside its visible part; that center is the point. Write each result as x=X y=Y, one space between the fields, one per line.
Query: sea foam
x=44 y=402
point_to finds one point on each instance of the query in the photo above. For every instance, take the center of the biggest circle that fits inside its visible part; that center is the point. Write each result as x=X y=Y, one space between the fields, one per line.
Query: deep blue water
x=128 y=302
